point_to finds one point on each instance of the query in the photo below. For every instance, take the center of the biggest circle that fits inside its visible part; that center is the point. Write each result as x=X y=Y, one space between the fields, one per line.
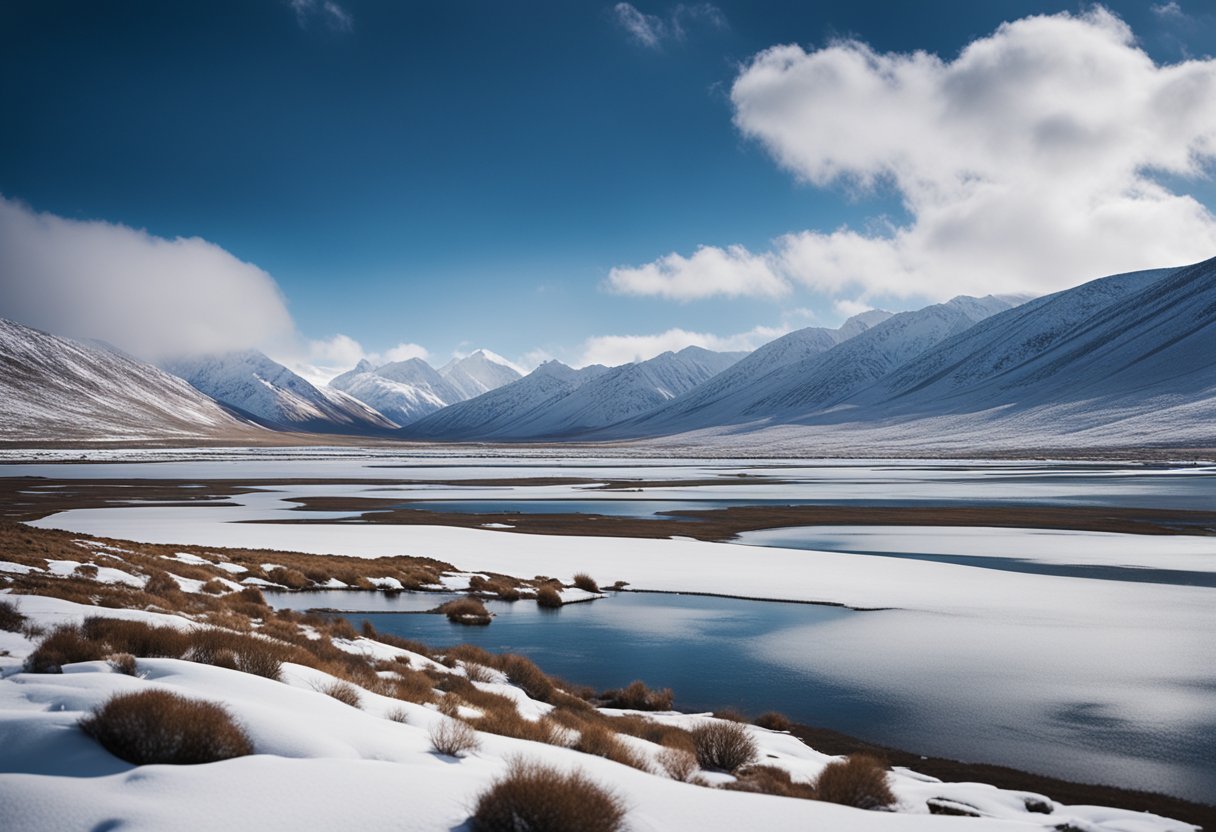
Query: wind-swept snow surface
x=55 y=389
x=253 y=384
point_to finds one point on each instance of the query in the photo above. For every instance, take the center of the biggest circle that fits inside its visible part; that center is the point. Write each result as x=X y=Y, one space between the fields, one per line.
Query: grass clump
x=585 y=582
x=858 y=780
x=540 y=798
x=453 y=737
x=548 y=597
x=11 y=619
x=344 y=692
x=637 y=697
x=599 y=740
x=679 y=764
x=770 y=780
x=123 y=663
x=466 y=611
x=64 y=645
x=156 y=726
x=774 y=721
x=723 y=745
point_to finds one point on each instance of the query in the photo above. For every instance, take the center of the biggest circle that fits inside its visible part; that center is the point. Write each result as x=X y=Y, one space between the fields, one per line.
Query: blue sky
x=456 y=175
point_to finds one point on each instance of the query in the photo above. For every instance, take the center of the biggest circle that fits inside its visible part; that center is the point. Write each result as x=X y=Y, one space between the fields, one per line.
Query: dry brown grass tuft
x=290 y=578
x=585 y=582
x=238 y=651
x=601 y=741
x=523 y=673
x=679 y=764
x=137 y=638
x=770 y=780
x=723 y=745
x=398 y=715
x=11 y=619
x=466 y=611
x=453 y=737
x=858 y=780
x=548 y=597
x=344 y=692
x=65 y=645
x=215 y=586
x=638 y=697
x=123 y=663
x=541 y=798
x=774 y=721
x=507 y=722
x=161 y=583
x=731 y=715
x=155 y=726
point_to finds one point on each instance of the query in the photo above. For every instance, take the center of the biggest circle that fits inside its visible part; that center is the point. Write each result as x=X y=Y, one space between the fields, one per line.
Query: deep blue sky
x=443 y=172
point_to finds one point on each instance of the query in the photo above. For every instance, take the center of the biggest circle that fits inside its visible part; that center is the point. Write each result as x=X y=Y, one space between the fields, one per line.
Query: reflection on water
x=923 y=682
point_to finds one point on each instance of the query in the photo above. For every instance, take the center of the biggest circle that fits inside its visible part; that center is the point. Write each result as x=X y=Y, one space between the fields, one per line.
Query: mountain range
x=1127 y=360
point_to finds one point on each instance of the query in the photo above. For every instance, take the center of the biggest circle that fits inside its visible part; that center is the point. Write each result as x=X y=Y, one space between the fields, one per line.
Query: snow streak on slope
x=405 y=391
x=52 y=388
x=253 y=384
x=788 y=349
x=495 y=414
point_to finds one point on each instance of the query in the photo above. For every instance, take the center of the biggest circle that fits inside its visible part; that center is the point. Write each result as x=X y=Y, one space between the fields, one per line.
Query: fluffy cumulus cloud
x=612 y=350
x=148 y=295
x=1031 y=162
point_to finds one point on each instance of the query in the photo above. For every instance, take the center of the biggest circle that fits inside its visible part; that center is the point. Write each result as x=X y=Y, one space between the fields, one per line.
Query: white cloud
x=732 y=272
x=651 y=30
x=1025 y=164
x=612 y=350
x=1170 y=10
x=402 y=352
x=148 y=295
x=333 y=15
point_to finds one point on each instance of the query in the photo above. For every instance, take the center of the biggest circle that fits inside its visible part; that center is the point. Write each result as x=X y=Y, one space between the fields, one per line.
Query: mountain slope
x=493 y=415
x=55 y=389
x=403 y=391
x=478 y=373
x=788 y=349
x=268 y=391
x=624 y=392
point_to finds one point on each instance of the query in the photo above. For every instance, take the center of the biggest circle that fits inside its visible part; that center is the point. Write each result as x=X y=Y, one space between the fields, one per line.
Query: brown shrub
x=237 y=651
x=161 y=583
x=466 y=611
x=858 y=780
x=86 y=570
x=155 y=726
x=524 y=674
x=122 y=663
x=214 y=587
x=679 y=764
x=11 y=619
x=540 y=798
x=601 y=741
x=453 y=737
x=651 y=731
x=508 y=723
x=252 y=595
x=337 y=627
x=398 y=715
x=137 y=637
x=344 y=692
x=548 y=597
x=723 y=745
x=774 y=721
x=585 y=582
x=469 y=653
x=638 y=697
x=477 y=672
x=65 y=645
x=770 y=780
x=414 y=687
x=290 y=578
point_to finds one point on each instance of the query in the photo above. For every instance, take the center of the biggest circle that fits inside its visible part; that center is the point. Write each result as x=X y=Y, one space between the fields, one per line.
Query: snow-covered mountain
x=55 y=389
x=253 y=384
x=495 y=414
x=405 y=391
x=788 y=349
x=478 y=373
x=623 y=392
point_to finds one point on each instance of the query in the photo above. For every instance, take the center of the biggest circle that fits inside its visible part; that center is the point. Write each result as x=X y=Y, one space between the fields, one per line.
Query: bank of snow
x=323 y=764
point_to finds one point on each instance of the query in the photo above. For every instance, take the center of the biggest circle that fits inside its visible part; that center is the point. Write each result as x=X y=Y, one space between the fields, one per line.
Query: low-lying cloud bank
x=1029 y=163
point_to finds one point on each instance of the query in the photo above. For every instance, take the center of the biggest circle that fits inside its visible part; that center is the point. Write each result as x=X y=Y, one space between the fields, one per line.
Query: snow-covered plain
x=958 y=644
x=320 y=763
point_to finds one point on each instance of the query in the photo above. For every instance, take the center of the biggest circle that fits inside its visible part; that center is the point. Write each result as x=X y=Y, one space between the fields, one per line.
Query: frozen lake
x=1045 y=650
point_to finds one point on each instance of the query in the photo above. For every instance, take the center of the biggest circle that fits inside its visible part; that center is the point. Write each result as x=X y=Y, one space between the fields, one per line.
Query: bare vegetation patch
x=723 y=745
x=679 y=764
x=597 y=739
x=548 y=597
x=770 y=780
x=858 y=780
x=344 y=692
x=11 y=619
x=540 y=798
x=123 y=663
x=637 y=697
x=453 y=737
x=65 y=645
x=156 y=726
x=585 y=582
x=466 y=611
x=774 y=721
